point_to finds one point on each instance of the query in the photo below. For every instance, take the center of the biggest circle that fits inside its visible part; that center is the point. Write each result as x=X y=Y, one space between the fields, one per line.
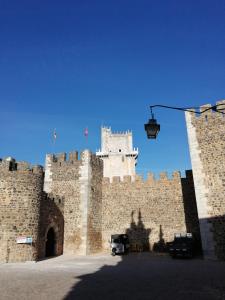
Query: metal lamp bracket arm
x=214 y=108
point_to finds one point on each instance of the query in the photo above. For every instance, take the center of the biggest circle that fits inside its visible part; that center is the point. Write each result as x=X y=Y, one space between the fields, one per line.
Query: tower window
x=119 y=150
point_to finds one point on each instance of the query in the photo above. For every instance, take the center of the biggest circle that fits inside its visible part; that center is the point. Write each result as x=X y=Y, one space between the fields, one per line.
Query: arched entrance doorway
x=50 y=243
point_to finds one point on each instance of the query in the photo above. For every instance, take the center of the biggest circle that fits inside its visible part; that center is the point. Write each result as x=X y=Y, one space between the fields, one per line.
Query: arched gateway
x=50 y=246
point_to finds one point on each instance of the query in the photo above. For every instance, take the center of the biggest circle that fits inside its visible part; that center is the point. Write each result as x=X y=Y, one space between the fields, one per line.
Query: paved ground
x=135 y=276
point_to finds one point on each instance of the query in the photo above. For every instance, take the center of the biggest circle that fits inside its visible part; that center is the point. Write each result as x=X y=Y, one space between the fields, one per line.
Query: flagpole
x=54 y=140
x=86 y=135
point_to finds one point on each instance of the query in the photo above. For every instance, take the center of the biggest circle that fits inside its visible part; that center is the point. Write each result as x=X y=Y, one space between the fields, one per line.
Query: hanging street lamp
x=152 y=128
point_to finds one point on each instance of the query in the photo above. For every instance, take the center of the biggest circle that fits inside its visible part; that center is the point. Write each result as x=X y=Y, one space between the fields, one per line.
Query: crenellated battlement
x=66 y=167
x=109 y=131
x=9 y=164
x=60 y=158
x=163 y=178
x=71 y=158
x=208 y=111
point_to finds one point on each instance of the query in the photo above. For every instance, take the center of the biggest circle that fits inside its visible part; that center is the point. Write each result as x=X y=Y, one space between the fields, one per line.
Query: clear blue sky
x=72 y=64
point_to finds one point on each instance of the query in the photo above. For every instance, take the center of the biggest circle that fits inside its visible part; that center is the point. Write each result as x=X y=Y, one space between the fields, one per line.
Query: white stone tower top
x=117 y=152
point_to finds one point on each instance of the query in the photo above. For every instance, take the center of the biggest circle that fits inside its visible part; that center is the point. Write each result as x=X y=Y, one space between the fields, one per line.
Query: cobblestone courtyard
x=135 y=276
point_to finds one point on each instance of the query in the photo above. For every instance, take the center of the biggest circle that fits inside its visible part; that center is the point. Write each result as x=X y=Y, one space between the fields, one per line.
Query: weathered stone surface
x=206 y=135
x=20 y=198
x=78 y=182
x=84 y=208
x=94 y=221
x=149 y=212
x=65 y=184
x=51 y=216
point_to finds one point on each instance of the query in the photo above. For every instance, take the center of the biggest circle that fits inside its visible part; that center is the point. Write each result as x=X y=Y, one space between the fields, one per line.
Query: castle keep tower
x=117 y=152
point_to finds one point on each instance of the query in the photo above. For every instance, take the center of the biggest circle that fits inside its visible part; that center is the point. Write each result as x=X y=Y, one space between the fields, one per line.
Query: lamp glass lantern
x=152 y=128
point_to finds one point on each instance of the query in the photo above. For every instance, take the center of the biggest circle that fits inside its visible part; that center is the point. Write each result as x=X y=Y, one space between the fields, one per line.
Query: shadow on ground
x=145 y=275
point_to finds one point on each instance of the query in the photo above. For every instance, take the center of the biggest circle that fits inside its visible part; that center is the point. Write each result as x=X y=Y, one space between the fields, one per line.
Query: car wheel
x=113 y=252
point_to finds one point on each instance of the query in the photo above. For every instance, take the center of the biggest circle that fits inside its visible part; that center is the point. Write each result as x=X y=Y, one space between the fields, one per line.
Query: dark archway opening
x=50 y=243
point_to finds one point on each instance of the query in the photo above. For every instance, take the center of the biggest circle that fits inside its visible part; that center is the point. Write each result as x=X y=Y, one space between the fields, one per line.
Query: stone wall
x=150 y=211
x=51 y=216
x=84 y=209
x=94 y=221
x=206 y=134
x=65 y=185
x=20 y=198
x=78 y=183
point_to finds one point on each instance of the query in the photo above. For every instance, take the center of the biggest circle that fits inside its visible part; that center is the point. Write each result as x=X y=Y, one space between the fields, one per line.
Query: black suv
x=183 y=245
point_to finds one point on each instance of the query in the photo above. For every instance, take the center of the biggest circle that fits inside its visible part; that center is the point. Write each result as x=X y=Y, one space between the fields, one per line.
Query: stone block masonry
x=150 y=212
x=206 y=135
x=75 y=209
x=94 y=205
x=20 y=198
x=83 y=209
x=63 y=182
x=78 y=182
x=71 y=210
x=51 y=217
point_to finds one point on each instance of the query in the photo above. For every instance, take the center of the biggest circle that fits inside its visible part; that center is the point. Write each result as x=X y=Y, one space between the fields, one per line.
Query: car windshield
x=116 y=240
x=182 y=240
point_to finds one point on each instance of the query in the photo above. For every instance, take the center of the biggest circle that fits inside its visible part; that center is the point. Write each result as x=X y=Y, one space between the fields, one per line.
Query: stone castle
x=75 y=203
x=117 y=153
